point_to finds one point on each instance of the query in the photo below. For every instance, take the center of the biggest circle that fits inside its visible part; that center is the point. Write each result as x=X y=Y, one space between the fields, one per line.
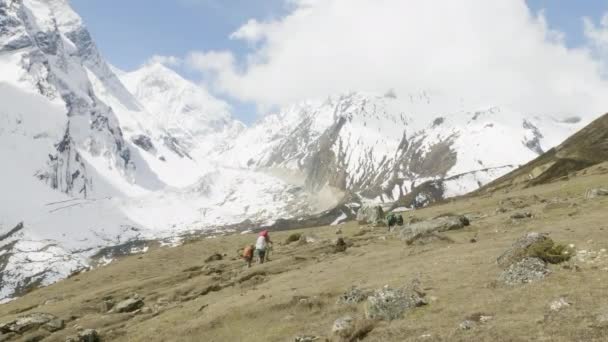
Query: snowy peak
x=182 y=109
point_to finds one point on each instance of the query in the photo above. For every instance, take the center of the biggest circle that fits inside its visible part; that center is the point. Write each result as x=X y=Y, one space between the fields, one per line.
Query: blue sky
x=128 y=32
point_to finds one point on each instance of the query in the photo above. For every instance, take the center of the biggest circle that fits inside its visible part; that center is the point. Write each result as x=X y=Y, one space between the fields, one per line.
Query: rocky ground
x=514 y=265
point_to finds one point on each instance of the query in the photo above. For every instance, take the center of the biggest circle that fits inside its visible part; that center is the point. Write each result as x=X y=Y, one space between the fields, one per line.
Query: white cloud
x=598 y=35
x=487 y=52
x=170 y=61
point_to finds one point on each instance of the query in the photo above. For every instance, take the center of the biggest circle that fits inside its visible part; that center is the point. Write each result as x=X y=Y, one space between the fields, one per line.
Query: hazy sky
x=260 y=54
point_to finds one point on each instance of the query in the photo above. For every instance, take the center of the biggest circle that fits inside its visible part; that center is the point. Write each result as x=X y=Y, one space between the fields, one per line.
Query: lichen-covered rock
x=353 y=296
x=390 y=304
x=525 y=271
x=343 y=327
x=519 y=249
x=437 y=225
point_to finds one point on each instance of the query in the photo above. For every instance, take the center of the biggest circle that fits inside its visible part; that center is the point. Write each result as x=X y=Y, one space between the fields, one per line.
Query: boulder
x=436 y=225
x=519 y=249
x=389 y=304
x=129 y=305
x=343 y=327
x=54 y=325
x=88 y=335
x=525 y=271
x=371 y=215
x=26 y=323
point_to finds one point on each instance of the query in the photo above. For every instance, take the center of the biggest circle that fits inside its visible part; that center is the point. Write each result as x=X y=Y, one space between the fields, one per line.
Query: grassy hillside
x=296 y=293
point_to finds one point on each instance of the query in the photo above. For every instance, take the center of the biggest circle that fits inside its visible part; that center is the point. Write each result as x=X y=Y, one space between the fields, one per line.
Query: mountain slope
x=586 y=148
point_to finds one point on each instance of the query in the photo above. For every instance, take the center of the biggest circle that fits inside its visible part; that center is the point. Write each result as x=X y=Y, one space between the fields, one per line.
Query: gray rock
x=353 y=296
x=467 y=325
x=306 y=338
x=54 y=325
x=559 y=304
x=25 y=323
x=88 y=335
x=436 y=225
x=524 y=271
x=371 y=215
x=390 y=304
x=521 y=216
x=343 y=327
x=518 y=250
x=129 y=305
x=594 y=193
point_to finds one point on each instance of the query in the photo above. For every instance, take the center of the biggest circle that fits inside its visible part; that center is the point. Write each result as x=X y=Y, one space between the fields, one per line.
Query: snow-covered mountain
x=185 y=111
x=94 y=157
x=380 y=148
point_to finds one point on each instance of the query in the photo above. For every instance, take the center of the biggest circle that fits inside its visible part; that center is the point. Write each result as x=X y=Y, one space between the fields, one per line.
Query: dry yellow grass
x=261 y=303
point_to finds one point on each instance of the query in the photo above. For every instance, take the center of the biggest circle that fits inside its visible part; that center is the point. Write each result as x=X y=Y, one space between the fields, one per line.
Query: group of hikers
x=261 y=249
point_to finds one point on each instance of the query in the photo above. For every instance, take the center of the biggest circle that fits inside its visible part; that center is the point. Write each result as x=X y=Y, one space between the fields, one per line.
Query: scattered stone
x=129 y=305
x=146 y=310
x=466 y=325
x=338 y=231
x=26 y=323
x=307 y=338
x=524 y=271
x=437 y=225
x=353 y=296
x=390 y=304
x=559 y=304
x=106 y=305
x=54 y=325
x=426 y=238
x=521 y=216
x=293 y=238
x=340 y=246
x=214 y=257
x=501 y=210
x=88 y=335
x=594 y=193
x=343 y=327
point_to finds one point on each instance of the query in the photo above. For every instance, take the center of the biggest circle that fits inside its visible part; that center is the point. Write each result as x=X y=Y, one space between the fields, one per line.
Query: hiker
x=391 y=220
x=248 y=254
x=399 y=220
x=261 y=245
